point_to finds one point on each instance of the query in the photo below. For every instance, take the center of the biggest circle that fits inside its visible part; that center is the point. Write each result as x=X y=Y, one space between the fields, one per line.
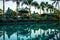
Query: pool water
x=29 y=31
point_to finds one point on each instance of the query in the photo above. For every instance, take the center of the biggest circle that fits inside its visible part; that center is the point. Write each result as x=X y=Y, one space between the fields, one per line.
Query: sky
x=12 y=5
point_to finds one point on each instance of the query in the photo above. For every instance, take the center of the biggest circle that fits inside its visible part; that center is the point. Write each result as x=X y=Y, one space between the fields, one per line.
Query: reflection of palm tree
x=3 y=32
x=10 y=30
x=30 y=31
x=22 y=31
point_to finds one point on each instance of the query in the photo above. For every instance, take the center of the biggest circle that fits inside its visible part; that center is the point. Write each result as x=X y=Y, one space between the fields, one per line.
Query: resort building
x=23 y=12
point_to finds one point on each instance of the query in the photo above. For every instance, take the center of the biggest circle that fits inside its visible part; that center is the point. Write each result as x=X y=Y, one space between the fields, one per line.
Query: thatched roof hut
x=23 y=12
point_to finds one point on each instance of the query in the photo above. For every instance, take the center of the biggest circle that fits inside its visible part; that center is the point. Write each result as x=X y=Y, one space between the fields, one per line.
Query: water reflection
x=34 y=31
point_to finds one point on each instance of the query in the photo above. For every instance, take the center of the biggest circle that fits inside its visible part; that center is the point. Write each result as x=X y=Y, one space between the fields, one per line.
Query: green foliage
x=24 y=17
x=27 y=2
x=42 y=5
x=57 y=12
x=35 y=4
x=0 y=15
x=13 y=12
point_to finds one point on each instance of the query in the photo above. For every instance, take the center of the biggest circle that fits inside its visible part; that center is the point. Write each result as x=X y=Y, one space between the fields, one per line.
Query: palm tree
x=35 y=4
x=17 y=3
x=3 y=15
x=57 y=3
x=17 y=7
x=42 y=5
x=46 y=6
x=3 y=7
x=29 y=3
x=50 y=7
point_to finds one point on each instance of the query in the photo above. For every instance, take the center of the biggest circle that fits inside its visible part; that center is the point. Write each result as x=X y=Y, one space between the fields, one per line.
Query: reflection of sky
x=14 y=36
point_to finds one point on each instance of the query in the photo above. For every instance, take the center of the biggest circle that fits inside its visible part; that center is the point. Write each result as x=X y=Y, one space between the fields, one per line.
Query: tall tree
x=35 y=4
x=46 y=6
x=29 y=3
x=57 y=3
x=42 y=4
x=3 y=7
x=17 y=3
x=50 y=7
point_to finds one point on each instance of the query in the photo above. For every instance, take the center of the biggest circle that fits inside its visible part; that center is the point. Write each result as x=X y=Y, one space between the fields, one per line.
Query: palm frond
x=35 y=4
x=28 y=2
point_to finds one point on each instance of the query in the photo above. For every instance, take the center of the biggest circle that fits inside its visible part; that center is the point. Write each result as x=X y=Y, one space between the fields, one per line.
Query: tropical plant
x=46 y=6
x=3 y=7
x=29 y=3
x=50 y=7
x=57 y=3
x=57 y=12
x=42 y=4
x=17 y=3
x=35 y=4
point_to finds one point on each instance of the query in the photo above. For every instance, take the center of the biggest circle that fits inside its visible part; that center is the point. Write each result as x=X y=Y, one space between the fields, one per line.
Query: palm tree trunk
x=58 y=6
x=50 y=10
x=30 y=11
x=40 y=10
x=16 y=10
x=17 y=3
x=3 y=7
x=29 y=8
